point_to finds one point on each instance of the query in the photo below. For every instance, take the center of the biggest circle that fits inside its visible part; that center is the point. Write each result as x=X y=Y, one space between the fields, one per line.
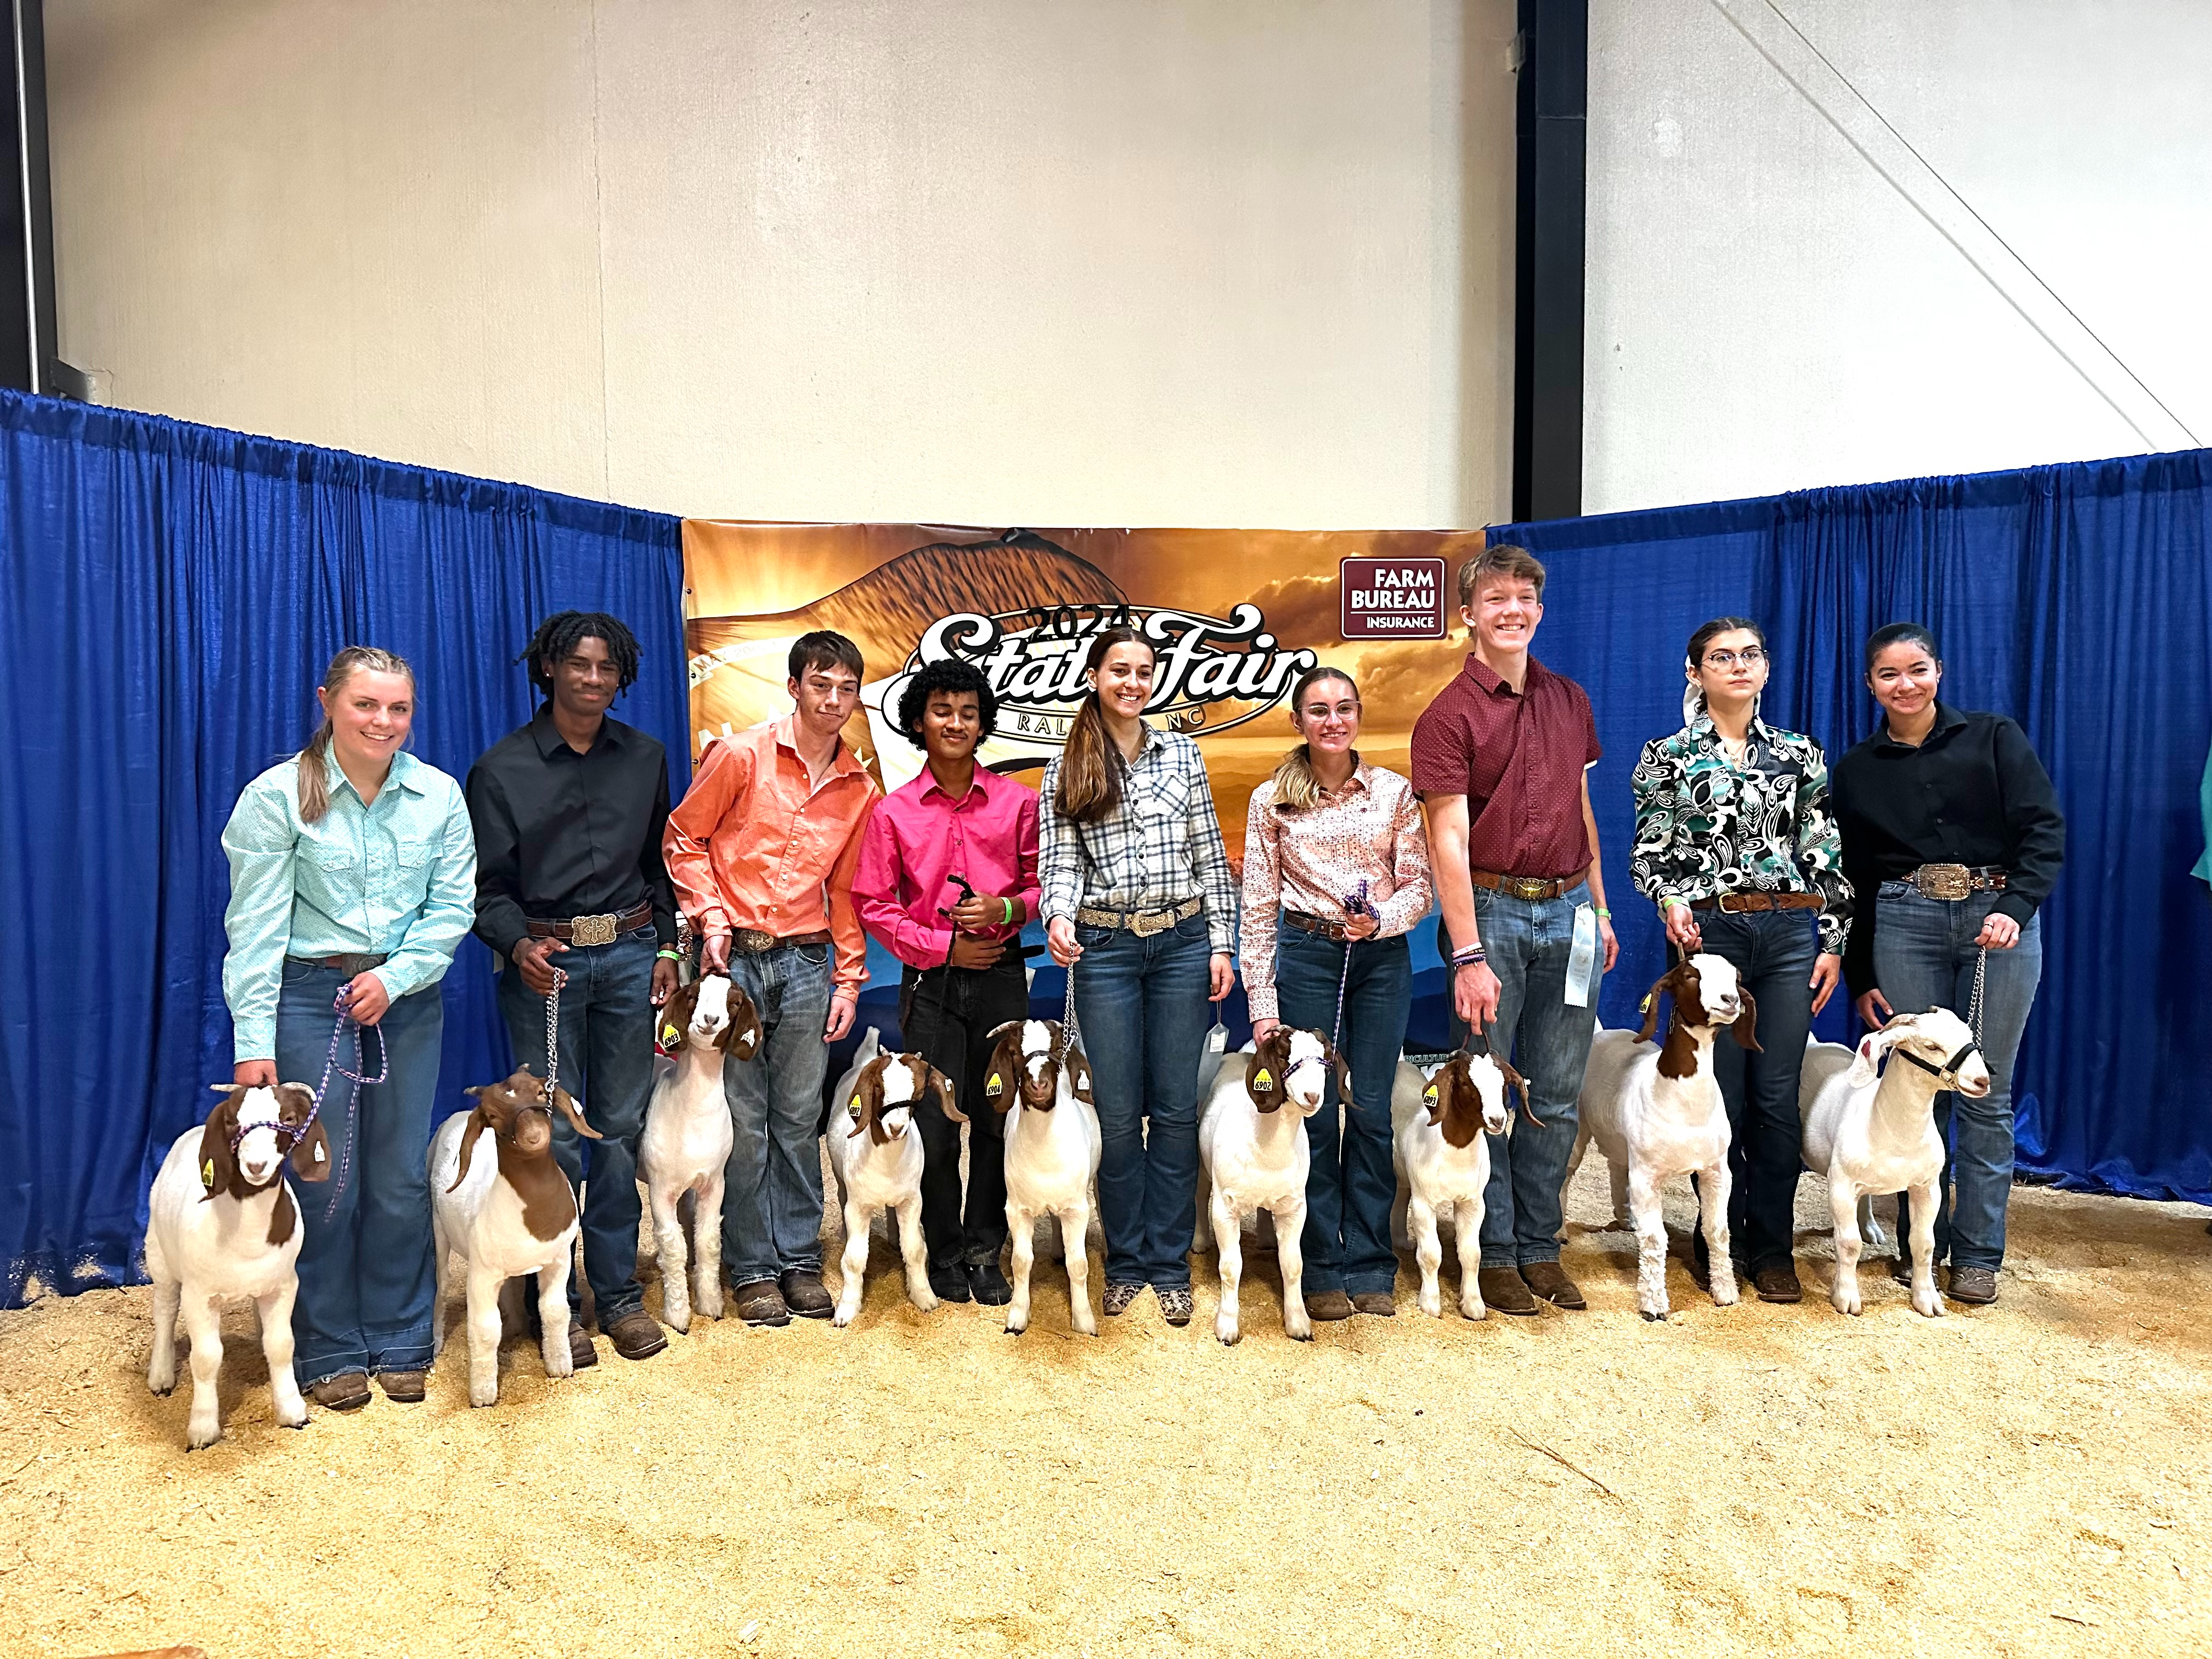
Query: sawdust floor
x=2030 y=1478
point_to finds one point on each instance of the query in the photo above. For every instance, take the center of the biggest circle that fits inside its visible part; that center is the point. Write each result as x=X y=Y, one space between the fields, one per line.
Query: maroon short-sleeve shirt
x=1518 y=758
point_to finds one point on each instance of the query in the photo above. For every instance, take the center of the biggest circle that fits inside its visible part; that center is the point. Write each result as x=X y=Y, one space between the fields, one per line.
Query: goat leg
x=483 y=1335
x=1075 y=1245
x=442 y=1252
x=852 y=1264
x=161 y=1366
x=1290 y=1256
x=1466 y=1240
x=1429 y=1251
x=1924 y=1199
x=1844 y=1209
x=1713 y=1187
x=203 y=1324
x=1228 y=1238
x=915 y=1254
x=1021 y=1233
x=668 y=1238
x=707 y=1260
x=275 y=1310
x=1650 y=1245
x=553 y=1317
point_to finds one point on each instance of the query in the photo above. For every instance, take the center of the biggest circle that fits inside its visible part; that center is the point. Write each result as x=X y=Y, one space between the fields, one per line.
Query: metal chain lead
x=553 y=1034
x=1974 y=1007
x=1068 y=1033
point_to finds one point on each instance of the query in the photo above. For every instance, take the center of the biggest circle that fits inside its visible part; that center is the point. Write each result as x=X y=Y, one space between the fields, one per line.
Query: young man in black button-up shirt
x=569 y=813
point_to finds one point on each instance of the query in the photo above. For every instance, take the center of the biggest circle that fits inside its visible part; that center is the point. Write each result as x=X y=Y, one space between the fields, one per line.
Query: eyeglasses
x=1751 y=656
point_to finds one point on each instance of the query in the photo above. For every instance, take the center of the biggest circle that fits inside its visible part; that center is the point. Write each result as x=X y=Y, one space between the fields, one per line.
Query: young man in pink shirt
x=963 y=974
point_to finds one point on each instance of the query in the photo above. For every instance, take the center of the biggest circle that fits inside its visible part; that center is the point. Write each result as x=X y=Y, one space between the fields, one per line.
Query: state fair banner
x=1236 y=615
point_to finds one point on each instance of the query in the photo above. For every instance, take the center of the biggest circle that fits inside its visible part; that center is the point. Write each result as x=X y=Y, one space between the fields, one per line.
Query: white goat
x=1439 y=1128
x=687 y=1138
x=507 y=1215
x=222 y=1222
x=1052 y=1155
x=1878 y=1136
x=1657 y=1112
x=1825 y=1061
x=877 y=1154
x=1254 y=1155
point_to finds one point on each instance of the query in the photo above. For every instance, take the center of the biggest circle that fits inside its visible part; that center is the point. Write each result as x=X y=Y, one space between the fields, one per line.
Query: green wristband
x=668 y=956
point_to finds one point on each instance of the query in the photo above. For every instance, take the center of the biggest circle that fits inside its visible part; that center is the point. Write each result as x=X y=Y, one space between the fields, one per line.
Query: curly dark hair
x=952 y=674
x=560 y=634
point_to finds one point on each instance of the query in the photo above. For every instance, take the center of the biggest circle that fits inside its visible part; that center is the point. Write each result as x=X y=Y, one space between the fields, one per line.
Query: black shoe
x=989 y=1284
x=949 y=1281
x=802 y=1293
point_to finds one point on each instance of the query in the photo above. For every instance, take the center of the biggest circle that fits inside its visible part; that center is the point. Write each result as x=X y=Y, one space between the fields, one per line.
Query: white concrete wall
x=1206 y=262
x=1765 y=312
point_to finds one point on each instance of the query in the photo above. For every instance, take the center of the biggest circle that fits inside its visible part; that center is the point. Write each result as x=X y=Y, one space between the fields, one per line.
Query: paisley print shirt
x=1705 y=825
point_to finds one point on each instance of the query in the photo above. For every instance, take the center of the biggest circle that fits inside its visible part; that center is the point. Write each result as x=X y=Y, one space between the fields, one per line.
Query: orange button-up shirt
x=758 y=843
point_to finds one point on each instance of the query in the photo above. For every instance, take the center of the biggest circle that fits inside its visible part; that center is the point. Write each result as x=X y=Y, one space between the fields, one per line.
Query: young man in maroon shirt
x=1500 y=761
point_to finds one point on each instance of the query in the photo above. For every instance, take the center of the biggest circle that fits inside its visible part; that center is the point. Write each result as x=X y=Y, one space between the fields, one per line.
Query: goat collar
x=1949 y=1070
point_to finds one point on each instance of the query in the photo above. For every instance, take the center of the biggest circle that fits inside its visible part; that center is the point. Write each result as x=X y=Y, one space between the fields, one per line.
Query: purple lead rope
x=1355 y=904
x=330 y=1065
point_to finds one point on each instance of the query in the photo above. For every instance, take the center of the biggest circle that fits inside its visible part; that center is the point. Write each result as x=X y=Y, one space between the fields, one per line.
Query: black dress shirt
x=560 y=834
x=1973 y=793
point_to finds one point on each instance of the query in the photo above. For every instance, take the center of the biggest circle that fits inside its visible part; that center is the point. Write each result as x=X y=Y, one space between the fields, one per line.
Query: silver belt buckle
x=1145 y=923
x=592 y=930
x=1943 y=881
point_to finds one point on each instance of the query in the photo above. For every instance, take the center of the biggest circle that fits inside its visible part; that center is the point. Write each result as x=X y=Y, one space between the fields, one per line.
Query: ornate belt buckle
x=752 y=941
x=1528 y=888
x=1145 y=923
x=1943 y=881
x=592 y=930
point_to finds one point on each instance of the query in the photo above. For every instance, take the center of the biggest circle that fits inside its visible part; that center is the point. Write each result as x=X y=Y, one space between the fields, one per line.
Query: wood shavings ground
x=2026 y=1478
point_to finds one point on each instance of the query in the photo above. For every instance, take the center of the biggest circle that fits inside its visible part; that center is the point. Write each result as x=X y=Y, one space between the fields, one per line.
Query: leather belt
x=357 y=963
x=1737 y=903
x=592 y=930
x=1318 y=925
x=1955 y=881
x=751 y=941
x=1143 y=923
x=1524 y=887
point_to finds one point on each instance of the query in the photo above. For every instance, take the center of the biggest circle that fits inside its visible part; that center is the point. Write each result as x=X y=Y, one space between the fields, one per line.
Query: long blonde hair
x=1091 y=767
x=314 y=786
x=1296 y=786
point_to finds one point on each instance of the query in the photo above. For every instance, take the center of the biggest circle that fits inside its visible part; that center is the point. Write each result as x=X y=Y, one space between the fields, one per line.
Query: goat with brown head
x=1707 y=995
x=249 y=1135
x=711 y=1012
x=520 y=1120
x=1025 y=1066
x=887 y=1090
x=1467 y=1096
x=1291 y=1066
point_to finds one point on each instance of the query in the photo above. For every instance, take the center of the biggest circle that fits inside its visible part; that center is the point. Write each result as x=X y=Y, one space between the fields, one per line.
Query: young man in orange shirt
x=761 y=852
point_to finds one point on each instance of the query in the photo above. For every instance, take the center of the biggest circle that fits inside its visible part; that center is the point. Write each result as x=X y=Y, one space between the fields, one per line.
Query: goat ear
x=311 y=1155
x=861 y=1106
x=218 y=1169
x=567 y=1105
x=1665 y=982
x=742 y=1035
x=1515 y=1080
x=943 y=1085
x=674 y=1019
x=1078 y=1076
x=1866 y=1065
x=1005 y=1061
x=1001 y=1033
x=477 y=1125
x=1745 y=1022
x=1433 y=1093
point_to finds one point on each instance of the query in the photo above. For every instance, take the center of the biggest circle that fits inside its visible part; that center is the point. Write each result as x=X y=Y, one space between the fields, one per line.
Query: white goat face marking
x=1307 y=1074
x=712 y=1012
x=1718 y=988
x=898 y=1082
x=1037 y=1048
x=1489 y=1083
x=258 y=1154
x=895 y=1120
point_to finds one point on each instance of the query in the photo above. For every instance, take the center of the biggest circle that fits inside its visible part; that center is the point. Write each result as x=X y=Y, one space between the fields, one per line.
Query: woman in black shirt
x=1952 y=839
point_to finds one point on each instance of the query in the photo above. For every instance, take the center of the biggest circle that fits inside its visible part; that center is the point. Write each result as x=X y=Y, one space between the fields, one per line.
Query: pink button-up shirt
x=919 y=836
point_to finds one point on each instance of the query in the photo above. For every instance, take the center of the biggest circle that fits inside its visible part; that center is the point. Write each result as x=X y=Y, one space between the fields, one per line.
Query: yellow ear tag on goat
x=855 y=1107
x=994 y=1085
x=670 y=1036
x=1644 y=1006
x=1262 y=1080
x=1429 y=1093
x=207 y=1173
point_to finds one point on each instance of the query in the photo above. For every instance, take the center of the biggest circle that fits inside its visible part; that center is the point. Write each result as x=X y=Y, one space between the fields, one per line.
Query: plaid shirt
x=1706 y=826
x=1160 y=847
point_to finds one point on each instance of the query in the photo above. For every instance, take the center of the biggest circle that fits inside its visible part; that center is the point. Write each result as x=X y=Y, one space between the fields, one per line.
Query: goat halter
x=1949 y=1070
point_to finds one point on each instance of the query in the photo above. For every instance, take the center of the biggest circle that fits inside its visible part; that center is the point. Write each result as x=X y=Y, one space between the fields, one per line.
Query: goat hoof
x=1652 y=1318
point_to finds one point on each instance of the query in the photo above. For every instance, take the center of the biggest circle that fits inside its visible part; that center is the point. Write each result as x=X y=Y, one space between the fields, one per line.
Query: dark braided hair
x=560 y=634
x=952 y=674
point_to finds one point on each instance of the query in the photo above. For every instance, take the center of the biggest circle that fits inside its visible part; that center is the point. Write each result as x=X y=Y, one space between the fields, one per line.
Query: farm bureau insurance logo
x=1033 y=659
x=1391 y=599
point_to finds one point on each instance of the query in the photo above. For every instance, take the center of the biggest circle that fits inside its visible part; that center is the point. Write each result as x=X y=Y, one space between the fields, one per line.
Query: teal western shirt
x=397 y=877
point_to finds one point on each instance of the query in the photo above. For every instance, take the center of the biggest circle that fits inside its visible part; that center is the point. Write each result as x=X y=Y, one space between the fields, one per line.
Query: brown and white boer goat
x=509 y=1214
x=1254 y=1155
x=1657 y=1112
x=686 y=1140
x=1053 y=1145
x=877 y=1155
x=1439 y=1139
x=221 y=1222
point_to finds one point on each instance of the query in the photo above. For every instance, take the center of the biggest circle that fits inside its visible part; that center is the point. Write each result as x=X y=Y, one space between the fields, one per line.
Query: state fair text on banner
x=1236 y=615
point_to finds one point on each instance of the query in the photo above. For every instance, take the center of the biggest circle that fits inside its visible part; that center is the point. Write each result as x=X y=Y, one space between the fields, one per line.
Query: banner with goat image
x=1236 y=615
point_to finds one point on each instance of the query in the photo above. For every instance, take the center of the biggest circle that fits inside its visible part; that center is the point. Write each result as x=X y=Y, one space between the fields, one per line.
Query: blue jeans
x=606 y=1065
x=1528 y=942
x=366 y=1283
x=1346 y=1240
x=1141 y=1003
x=772 y=1191
x=1924 y=957
x=1773 y=953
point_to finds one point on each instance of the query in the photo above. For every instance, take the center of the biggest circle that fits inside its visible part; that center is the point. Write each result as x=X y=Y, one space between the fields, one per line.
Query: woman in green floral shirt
x=1737 y=845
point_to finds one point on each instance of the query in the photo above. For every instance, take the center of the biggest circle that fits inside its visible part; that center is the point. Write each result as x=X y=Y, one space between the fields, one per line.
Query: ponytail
x=1091 y=767
x=314 y=759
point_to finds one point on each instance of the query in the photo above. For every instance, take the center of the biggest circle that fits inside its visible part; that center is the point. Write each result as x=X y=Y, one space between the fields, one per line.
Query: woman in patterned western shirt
x=1735 y=844
x=353 y=865
x=1336 y=867
x=1139 y=906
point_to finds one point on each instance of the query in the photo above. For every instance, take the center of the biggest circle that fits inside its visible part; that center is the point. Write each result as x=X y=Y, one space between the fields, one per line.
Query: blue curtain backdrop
x=2077 y=599
x=169 y=595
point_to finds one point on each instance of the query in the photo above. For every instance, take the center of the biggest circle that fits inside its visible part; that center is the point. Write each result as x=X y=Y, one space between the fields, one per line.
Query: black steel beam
x=1550 y=150
x=27 y=350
